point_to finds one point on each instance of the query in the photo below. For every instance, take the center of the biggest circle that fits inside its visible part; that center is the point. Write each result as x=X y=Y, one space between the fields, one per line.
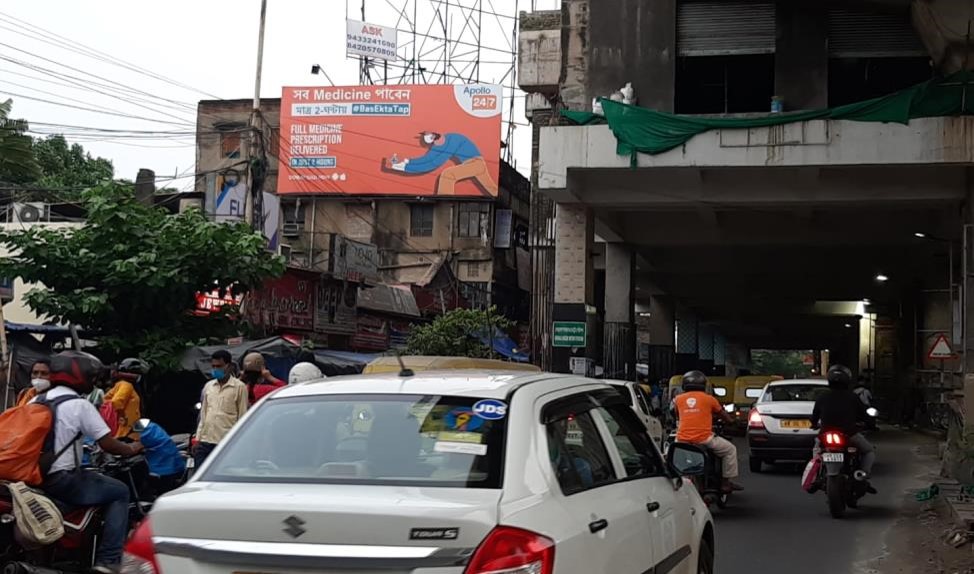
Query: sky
x=204 y=49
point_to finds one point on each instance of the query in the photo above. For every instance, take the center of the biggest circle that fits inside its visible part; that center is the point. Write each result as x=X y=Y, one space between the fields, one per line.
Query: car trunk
x=792 y=417
x=328 y=529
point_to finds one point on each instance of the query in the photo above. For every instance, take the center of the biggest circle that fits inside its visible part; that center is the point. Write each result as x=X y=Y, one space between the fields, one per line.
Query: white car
x=780 y=422
x=639 y=403
x=436 y=473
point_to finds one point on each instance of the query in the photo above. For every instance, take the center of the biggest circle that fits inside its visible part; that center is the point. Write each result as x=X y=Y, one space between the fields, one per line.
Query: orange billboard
x=429 y=140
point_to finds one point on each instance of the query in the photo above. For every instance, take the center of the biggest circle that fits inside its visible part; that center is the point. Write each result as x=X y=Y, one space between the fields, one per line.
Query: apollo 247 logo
x=490 y=409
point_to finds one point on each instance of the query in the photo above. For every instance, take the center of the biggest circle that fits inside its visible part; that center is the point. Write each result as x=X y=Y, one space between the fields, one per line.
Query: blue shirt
x=161 y=453
x=454 y=146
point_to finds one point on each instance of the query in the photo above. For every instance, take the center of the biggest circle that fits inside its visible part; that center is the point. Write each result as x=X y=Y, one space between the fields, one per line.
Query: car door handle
x=598 y=525
x=652 y=506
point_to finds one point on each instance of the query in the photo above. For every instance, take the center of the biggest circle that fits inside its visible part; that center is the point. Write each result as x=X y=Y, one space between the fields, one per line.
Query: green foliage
x=788 y=364
x=454 y=334
x=17 y=164
x=130 y=275
x=69 y=166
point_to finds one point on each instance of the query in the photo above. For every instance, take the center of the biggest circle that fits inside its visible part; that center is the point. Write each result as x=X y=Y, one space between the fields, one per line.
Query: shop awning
x=504 y=346
x=391 y=299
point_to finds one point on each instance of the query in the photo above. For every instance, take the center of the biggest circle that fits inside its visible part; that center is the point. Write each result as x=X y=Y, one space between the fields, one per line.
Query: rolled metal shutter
x=856 y=34
x=715 y=28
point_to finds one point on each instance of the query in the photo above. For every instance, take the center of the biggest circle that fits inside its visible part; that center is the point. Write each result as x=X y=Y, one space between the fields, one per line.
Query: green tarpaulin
x=640 y=130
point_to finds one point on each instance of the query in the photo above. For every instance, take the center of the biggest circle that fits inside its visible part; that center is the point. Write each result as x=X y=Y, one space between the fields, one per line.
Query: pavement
x=775 y=526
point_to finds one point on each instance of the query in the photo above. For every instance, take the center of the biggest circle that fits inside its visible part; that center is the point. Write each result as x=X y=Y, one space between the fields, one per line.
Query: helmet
x=303 y=372
x=76 y=370
x=254 y=362
x=840 y=377
x=694 y=381
x=133 y=366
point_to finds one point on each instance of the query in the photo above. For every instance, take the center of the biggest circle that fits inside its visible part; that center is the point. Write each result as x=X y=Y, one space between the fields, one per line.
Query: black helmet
x=76 y=370
x=840 y=377
x=133 y=366
x=695 y=381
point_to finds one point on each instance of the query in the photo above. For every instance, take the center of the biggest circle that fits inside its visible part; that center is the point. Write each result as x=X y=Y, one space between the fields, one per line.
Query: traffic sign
x=569 y=334
x=941 y=349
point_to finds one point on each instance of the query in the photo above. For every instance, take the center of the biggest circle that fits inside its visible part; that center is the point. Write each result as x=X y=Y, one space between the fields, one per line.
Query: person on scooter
x=695 y=411
x=73 y=373
x=841 y=409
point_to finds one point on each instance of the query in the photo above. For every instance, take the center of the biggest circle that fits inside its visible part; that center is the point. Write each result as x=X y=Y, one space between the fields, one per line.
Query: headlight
x=729 y=408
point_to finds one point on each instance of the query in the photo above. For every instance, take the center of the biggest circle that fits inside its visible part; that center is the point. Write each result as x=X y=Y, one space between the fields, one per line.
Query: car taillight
x=755 y=421
x=140 y=552
x=834 y=439
x=513 y=551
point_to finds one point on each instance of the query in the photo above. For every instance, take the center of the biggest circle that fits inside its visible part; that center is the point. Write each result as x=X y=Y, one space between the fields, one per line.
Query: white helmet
x=303 y=372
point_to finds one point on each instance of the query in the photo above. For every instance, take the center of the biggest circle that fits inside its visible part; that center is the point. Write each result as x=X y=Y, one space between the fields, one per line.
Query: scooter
x=696 y=463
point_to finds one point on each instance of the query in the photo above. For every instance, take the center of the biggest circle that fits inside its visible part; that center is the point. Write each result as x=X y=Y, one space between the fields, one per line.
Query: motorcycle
x=696 y=463
x=841 y=475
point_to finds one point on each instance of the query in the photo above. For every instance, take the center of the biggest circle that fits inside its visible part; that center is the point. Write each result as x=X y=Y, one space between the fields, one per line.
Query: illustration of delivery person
x=468 y=163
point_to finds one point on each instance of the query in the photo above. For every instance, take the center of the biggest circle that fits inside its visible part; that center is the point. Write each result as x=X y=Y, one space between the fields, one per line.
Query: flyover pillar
x=662 y=338
x=574 y=287
x=619 y=330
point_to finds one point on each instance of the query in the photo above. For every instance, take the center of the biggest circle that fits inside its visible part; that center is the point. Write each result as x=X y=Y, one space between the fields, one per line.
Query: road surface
x=774 y=526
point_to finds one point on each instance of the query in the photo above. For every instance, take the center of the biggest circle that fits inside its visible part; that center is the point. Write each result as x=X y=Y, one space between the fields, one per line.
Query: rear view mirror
x=687 y=460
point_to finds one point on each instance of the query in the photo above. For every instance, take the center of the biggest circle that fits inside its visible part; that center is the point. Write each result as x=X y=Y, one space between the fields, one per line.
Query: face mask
x=40 y=385
x=218 y=374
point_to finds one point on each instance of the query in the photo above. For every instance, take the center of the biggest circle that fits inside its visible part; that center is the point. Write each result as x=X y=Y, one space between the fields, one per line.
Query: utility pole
x=257 y=159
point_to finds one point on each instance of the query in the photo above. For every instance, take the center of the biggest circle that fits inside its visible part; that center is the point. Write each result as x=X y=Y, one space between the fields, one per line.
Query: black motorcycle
x=696 y=463
x=840 y=475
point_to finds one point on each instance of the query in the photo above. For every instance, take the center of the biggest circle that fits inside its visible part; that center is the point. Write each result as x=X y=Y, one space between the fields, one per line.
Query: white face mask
x=40 y=385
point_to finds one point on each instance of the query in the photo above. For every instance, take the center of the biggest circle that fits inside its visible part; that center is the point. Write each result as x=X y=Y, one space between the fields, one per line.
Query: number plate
x=796 y=424
x=833 y=457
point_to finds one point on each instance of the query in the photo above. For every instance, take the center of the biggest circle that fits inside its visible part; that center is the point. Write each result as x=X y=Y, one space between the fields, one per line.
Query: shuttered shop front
x=713 y=28
x=856 y=34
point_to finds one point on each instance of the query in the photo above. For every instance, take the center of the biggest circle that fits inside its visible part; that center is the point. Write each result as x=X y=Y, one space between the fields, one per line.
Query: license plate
x=833 y=457
x=796 y=424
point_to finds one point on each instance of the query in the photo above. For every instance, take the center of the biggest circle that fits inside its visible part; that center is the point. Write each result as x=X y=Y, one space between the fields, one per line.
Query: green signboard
x=569 y=334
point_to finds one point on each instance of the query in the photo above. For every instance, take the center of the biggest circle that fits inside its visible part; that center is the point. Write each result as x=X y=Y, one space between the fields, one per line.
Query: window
x=638 y=455
x=786 y=393
x=293 y=212
x=753 y=393
x=720 y=391
x=399 y=440
x=853 y=80
x=578 y=455
x=230 y=144
x=421 y=220
x=274 y=145
x=473 y=219
x=724 y=84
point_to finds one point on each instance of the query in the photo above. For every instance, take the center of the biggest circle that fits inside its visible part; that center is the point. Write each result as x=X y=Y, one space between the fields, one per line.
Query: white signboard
x=272 y=219
x=369 y=40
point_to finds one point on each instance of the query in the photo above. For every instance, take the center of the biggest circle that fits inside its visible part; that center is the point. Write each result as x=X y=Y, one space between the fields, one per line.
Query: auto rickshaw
x=747 y=390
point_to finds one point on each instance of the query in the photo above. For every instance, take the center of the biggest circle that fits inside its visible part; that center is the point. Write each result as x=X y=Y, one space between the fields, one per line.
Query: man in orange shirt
x=696 y=410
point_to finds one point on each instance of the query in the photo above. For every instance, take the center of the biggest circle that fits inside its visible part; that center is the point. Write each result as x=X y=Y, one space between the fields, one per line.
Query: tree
x=456 y=334
x=130 y=275
x=17 y=164
x=69 y=166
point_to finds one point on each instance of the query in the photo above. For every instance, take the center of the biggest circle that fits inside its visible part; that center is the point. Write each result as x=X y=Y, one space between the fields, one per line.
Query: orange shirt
x=696 y=410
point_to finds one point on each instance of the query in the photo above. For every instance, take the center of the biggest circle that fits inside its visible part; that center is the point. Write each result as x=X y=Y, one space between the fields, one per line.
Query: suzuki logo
x=294 y=525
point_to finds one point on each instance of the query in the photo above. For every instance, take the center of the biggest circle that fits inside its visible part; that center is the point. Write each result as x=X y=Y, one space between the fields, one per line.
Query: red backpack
x=110 y=416
x=27 y=440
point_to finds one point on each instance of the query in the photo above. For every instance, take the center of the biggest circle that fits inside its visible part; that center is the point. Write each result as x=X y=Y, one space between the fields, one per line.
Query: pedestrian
x=260 y=382
x=862 y=391
x=225 y=401
x=40 y=381
x=124 y=398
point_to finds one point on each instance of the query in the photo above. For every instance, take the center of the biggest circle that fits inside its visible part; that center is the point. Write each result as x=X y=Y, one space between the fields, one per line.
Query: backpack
x=110 y=416
x=27 y=440
x=38 y=519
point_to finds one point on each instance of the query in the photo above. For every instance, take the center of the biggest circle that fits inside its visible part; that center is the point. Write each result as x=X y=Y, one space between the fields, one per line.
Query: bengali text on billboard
x=430 y=140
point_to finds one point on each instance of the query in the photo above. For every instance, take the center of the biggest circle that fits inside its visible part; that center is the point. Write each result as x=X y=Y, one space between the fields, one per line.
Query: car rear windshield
x=368 y=439
x=786 y=393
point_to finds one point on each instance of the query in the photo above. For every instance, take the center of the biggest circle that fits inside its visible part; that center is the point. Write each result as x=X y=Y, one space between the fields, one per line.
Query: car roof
x=464 y=382
x=820 y=382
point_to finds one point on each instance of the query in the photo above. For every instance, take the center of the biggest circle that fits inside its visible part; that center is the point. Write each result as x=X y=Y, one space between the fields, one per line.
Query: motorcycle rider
x=841 y=409
x=304 y=372
x=74 y=373
x=696 y=410
x=124 y=398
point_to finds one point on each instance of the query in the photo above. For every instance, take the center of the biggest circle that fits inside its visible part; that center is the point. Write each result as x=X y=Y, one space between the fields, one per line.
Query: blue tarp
x=504 y=346
x=39 y=329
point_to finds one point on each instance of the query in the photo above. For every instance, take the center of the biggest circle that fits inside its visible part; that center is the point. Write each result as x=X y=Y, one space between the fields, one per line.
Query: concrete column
x=687 y=342
x=619 y=330
x=801 y=59
x=574 y=279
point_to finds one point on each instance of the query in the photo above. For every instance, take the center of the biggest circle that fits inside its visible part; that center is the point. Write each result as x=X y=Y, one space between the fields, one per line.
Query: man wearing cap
x=260 y=382
x=458 y=148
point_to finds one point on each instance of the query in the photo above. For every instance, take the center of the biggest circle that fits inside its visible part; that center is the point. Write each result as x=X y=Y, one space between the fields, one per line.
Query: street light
x=882 y=278
x=920 y=235
x=317 y=69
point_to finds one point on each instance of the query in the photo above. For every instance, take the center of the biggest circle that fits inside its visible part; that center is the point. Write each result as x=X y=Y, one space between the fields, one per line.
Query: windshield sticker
x=463 y=420
x=490 y=409
x=470 y=437
x=460 y=448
